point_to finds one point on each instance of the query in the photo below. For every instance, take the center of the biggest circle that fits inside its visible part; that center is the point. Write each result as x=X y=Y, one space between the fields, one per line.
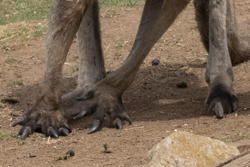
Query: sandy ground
x=157 y=107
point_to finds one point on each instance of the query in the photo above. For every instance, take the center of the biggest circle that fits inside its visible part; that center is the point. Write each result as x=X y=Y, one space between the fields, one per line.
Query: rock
x=183 y=149
x=155 y=62
x=32 y=155
x=106 y=150
x=70 y=153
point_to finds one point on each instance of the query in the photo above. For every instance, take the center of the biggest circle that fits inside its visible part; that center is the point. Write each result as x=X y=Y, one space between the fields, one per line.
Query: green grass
x=11 y=33
x=28 y=18
x=23 y=10
x=235 y=137
x=10 y=60
x=6 y=135
x=2 y=105
x=15 y=83
x=121 y=3
x=12 y=11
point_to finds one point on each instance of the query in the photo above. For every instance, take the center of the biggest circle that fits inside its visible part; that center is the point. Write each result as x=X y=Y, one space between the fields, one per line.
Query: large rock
x=183 y=149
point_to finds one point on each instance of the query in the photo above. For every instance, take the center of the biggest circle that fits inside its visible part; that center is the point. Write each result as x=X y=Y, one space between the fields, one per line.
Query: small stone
x=106 y=150
x=32 y=155
x=70 y=153
x=185 y=125
x=21 y=143
x=184 y=149
x=181 y=85
x=155 y=62
x=246 y=108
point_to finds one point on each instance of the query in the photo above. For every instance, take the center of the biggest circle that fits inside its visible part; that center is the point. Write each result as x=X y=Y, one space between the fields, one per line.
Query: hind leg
x=105 y=98
x=212 y=17
x=239 y=48
x=91 y=66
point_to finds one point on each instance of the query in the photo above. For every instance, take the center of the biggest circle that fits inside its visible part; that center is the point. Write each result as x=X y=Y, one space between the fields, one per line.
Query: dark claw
x=218 y=110
x=118 y=123
x=25 y=132
x=63 y=131
x=20 y=121
x=67 y=126
x=126 y=118
x=97 y=125
x=221 y=101
x=80 y=115
x=52 y=132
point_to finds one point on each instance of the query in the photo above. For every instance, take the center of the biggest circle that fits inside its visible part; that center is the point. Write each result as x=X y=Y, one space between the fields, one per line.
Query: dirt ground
x=156 y=106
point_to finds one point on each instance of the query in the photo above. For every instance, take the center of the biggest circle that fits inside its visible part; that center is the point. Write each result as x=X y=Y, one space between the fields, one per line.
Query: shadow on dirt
x=153 y=96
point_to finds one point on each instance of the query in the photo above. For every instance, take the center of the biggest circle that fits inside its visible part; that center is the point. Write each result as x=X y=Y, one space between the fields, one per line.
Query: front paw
x=50 y=123
x=221 y=101
x=103 y=102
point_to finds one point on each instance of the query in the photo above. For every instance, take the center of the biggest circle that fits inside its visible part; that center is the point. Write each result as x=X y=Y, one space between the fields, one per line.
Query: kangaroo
x=100 y=94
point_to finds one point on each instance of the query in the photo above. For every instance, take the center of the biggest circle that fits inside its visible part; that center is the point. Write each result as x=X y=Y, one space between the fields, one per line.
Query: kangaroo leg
x=91 y=68
x=45 y=116
x=239 y=48
x=219 y=74
x=105 y=99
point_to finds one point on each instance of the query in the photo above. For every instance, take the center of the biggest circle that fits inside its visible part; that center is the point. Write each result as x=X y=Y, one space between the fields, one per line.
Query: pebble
x=155 y=62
